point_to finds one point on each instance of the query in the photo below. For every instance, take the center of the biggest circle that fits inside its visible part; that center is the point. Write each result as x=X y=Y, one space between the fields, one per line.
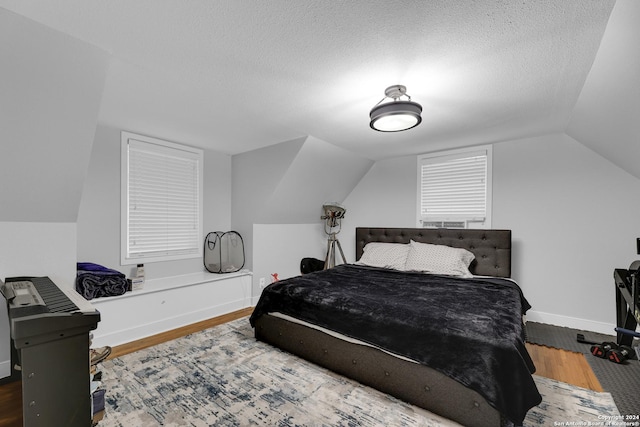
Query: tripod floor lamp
x=333 y=214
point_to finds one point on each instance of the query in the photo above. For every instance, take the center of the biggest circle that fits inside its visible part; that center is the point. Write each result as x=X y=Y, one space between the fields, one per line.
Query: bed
x=451 y=345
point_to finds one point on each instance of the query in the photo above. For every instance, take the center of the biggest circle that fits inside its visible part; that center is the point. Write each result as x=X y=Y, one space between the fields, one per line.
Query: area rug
x=621 y=380
x=223 y=377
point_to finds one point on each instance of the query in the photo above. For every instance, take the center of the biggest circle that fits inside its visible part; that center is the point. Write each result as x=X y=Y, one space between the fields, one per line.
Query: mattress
x=338 y=335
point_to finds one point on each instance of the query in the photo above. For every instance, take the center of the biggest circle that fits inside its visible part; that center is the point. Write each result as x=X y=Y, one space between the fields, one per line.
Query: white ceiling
x=236 y=75
x=606 y=114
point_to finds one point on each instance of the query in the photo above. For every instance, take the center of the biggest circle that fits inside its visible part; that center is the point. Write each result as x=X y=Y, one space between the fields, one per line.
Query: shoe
x=99 y=354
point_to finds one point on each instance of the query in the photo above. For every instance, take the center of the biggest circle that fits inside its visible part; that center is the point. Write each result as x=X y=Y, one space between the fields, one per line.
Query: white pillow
x=438 y=259
x=384 y=255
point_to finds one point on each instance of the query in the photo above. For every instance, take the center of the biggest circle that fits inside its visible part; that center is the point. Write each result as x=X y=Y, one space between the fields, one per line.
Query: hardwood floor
x=11 y=404
x=177 y=333
x=560 y=365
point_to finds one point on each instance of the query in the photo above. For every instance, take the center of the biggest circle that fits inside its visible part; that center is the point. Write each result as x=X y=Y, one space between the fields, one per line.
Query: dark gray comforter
x=469 y=329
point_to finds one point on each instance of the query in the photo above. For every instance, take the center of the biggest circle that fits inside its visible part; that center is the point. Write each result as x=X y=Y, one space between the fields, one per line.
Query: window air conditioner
x=444 y=224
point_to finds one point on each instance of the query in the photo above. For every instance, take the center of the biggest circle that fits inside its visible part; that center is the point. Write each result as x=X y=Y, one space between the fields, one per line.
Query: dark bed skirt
x=414 y=383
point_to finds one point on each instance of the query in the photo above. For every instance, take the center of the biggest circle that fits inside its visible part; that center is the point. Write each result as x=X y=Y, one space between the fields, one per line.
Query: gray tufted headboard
x=492 y=248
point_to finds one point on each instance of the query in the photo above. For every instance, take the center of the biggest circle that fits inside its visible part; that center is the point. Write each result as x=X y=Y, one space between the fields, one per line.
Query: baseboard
x=5 y=368
x=571 y=322
x=138 y=332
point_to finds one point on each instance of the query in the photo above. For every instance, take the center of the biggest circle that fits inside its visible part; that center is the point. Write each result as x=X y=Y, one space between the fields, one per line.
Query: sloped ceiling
x=606 y=117
x=50 y=92
x=313 y=171
x=320 y=173
x=237 y=75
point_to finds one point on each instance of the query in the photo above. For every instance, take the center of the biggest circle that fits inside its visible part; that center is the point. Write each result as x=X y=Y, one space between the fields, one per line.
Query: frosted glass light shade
x=395 y=116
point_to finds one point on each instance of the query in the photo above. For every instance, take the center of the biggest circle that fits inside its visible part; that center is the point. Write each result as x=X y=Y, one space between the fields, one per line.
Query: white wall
x=281 y=247
x=254 y=176
x=34 y=249
x=385 y=197
x=288 y=183
x=573 y=216
x=574 y=219
x=99 y=214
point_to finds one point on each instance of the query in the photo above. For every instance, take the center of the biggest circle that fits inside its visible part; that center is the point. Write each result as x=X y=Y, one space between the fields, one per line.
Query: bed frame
x=414 y=383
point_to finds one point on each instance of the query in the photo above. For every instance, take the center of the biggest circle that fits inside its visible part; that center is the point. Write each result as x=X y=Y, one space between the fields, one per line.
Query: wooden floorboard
x=11 y=404
x=177 y=333
x=561 y=365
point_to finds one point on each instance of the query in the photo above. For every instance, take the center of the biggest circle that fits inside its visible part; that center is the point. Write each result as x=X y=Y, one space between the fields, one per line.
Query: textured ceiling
x=236 y=75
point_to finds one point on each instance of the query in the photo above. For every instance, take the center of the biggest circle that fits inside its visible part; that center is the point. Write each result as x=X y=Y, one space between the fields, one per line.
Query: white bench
x=169 y=303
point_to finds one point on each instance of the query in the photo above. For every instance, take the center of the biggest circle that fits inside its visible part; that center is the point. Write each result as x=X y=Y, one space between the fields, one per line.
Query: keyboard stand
x=55 y=382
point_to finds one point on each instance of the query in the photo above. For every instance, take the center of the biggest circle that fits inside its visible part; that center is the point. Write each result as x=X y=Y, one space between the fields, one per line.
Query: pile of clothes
x=95 y=281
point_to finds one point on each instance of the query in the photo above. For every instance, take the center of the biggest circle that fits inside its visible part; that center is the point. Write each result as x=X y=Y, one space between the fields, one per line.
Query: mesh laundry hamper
x=223 y=252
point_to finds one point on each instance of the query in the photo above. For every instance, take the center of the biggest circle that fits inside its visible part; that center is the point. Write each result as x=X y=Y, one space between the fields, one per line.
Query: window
x=161 y=200
x=454 y=188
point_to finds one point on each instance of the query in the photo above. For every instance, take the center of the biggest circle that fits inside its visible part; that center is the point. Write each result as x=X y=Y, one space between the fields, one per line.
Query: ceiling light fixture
x=396 y=115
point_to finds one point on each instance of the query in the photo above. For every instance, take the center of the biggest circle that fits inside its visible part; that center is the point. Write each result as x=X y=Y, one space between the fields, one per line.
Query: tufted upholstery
x=492 y=248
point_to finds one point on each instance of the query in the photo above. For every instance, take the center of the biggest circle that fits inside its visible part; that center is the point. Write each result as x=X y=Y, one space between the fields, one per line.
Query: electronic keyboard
x=40 y=310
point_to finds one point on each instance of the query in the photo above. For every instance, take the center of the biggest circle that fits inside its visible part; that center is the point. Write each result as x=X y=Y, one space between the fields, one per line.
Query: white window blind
x=455 y=186
x=162 y=200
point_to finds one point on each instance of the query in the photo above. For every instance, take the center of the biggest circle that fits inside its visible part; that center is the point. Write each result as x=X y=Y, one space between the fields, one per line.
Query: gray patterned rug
x=224 y=377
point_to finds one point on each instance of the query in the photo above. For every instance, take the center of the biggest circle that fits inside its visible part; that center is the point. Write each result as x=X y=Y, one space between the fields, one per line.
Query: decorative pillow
x=438 y=259
x=385 y=255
